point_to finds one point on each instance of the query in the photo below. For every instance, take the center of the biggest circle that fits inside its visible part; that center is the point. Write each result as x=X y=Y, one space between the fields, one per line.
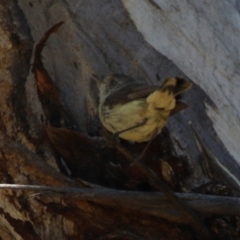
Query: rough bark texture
x=142 y=39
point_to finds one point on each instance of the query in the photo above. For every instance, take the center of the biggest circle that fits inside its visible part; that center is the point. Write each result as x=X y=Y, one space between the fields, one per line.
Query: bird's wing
x=130 y=92
x=134 y=91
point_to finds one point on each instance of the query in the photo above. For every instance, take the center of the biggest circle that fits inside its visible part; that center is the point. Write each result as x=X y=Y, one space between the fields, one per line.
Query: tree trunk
x=90 y=184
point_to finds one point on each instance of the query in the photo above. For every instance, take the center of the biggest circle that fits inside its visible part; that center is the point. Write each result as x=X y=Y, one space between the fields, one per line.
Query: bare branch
x=154 y=204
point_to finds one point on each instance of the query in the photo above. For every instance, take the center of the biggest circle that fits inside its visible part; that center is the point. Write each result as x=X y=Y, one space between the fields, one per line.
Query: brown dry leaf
x=49 y=95
x=167 y=172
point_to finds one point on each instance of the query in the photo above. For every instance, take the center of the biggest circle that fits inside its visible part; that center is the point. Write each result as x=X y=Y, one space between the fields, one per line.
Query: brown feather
x=130 y=92
x=181 y=86
x=178 y=108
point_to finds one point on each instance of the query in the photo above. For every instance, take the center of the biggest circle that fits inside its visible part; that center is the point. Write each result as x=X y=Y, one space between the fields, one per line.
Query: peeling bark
x=99 y=38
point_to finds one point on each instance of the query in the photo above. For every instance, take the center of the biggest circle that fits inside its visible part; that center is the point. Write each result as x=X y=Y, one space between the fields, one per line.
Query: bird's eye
x=112 y=83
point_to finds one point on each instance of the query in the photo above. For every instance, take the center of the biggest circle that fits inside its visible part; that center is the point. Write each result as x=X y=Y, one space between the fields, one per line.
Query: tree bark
x=145 y=39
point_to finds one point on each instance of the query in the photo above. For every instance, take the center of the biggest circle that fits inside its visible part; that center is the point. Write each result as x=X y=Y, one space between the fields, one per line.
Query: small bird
x=138 y=112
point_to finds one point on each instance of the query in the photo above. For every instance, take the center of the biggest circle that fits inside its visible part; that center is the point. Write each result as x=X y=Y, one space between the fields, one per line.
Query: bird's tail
x=165 y=97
